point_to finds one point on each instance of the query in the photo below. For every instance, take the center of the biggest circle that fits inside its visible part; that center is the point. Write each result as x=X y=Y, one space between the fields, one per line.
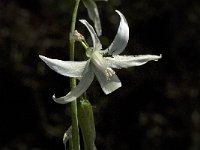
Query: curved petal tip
x=60 y=100
x=121 y=39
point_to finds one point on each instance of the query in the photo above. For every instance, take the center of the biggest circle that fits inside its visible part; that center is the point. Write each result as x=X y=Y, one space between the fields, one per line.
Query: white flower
x=98 y=64
x=94 y=14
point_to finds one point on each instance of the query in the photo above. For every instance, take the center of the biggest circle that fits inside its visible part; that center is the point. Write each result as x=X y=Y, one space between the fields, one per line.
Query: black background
x=157 y=108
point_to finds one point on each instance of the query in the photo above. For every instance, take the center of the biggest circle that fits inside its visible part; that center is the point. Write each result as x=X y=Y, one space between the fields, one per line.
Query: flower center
x=101 y=64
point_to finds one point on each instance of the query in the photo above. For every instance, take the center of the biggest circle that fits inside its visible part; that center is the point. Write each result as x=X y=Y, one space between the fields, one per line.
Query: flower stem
x=75 y=130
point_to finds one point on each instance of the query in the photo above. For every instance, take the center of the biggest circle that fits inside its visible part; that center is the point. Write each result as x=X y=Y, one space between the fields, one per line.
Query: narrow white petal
x=96 y=43
x=130 y=61
x=108 y=85
x=93 y=14
x=66 y=68
x=121 y=39
x=82 y=86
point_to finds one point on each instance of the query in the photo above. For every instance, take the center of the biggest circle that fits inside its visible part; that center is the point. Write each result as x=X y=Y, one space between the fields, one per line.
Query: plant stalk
x=75 y=130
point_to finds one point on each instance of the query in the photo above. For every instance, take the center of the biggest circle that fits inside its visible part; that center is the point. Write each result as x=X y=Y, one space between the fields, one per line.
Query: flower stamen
x=109 y=73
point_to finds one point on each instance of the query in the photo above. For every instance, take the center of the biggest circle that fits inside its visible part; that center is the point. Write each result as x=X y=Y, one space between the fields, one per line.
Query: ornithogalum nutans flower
x=100 y=63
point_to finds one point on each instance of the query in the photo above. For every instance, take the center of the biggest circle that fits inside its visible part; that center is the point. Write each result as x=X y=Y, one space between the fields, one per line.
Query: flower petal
x=79 y=89
x=96 y=43
x=107 y=85
x=121 y=39
x=66 y=68
x=130 y=61
x=93 y=14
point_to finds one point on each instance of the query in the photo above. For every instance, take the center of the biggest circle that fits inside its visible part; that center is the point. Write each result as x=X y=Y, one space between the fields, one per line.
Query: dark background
x=157 y=108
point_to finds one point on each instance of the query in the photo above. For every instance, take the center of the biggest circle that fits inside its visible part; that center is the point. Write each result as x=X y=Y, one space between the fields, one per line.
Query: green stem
x=75 y=129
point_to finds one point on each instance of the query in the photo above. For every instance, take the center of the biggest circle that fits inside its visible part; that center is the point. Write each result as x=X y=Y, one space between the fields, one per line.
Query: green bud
x=87 y=125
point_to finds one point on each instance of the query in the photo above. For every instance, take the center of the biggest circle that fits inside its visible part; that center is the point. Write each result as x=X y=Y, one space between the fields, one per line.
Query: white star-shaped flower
x=98 y=64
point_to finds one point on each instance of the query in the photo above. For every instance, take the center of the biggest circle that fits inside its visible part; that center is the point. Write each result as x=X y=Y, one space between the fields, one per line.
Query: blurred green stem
x=75 y=130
